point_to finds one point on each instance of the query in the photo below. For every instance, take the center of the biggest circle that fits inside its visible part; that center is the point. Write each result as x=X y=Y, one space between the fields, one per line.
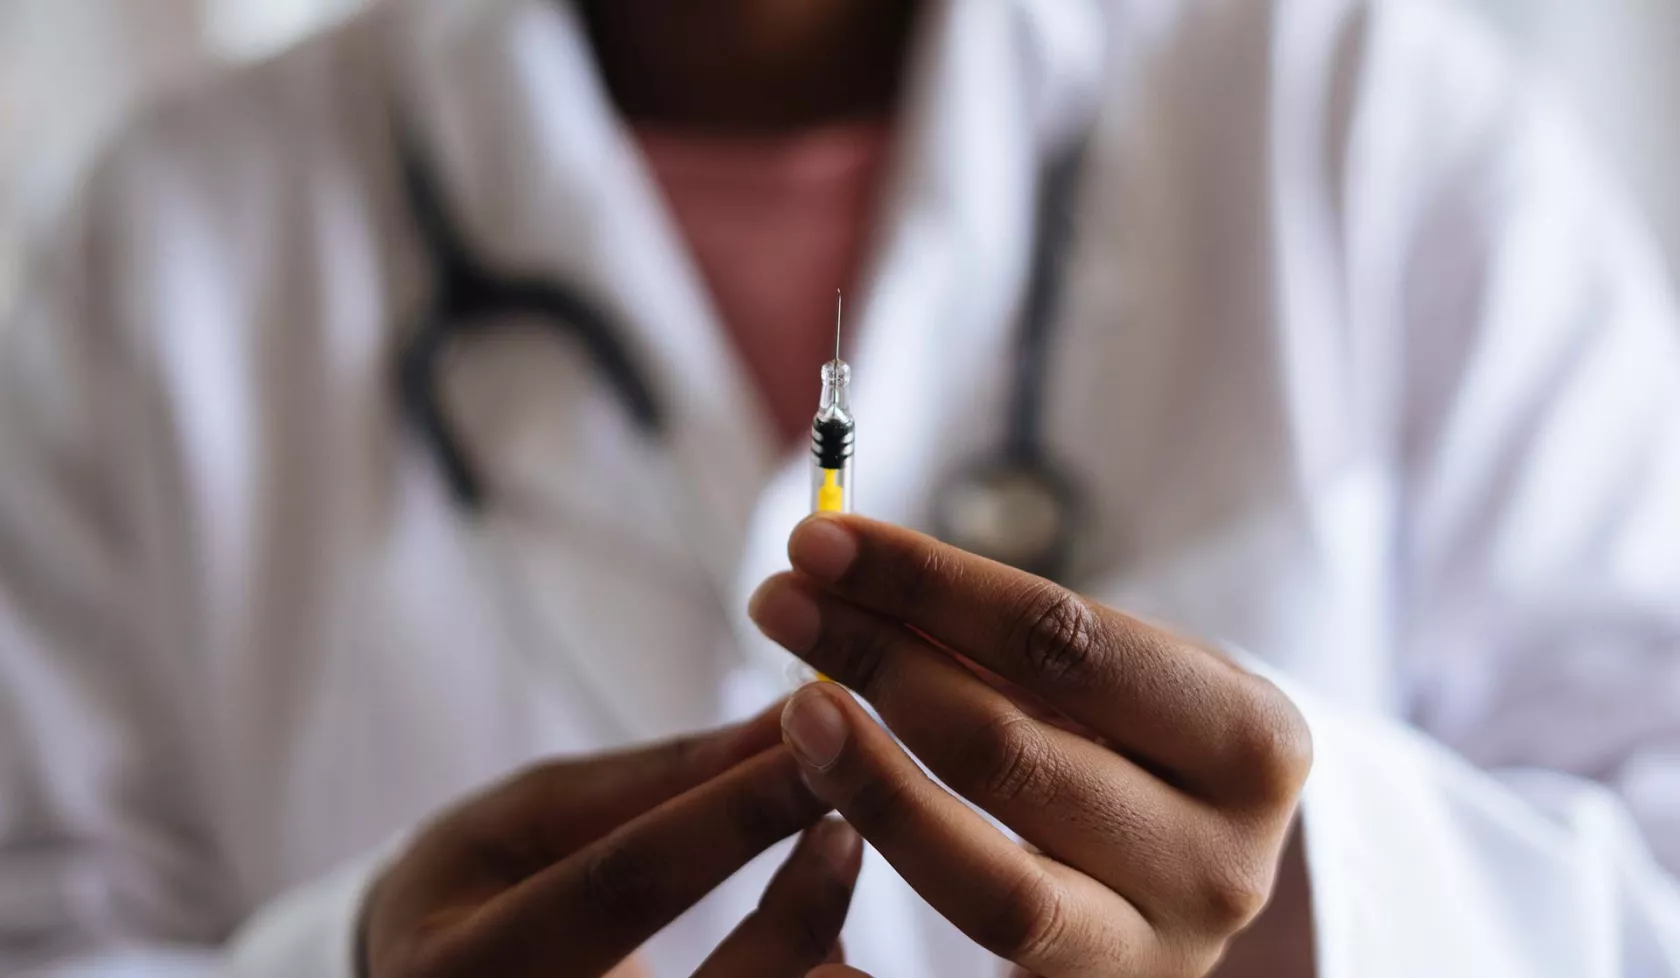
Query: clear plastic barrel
x=832 y=431
x=831 y=489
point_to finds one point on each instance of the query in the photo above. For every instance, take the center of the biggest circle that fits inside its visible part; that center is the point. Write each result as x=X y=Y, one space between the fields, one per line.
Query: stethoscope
x=1017 y=504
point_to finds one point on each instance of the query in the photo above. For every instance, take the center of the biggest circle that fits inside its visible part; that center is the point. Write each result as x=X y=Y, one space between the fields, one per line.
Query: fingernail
x=786 y=615
x=839 y=844
x=814 y=728
x=823 y=548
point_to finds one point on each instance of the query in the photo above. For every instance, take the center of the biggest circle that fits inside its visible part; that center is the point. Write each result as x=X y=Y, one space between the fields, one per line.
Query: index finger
x=551 y=810
x=1151 y=693
x=590 y=911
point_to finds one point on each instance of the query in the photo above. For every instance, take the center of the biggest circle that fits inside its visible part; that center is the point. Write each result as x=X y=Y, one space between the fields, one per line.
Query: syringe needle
x=839 y=314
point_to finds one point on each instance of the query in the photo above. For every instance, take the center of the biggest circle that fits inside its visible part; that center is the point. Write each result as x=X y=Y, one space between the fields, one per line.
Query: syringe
x=832 y=432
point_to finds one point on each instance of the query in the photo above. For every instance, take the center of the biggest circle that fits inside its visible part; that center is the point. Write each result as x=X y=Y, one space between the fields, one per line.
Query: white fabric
x=1616 y=59
x=311 y=930
x=1368 y=372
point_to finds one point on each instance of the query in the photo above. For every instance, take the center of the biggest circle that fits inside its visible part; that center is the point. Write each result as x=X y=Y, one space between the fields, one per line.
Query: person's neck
x=751 y=65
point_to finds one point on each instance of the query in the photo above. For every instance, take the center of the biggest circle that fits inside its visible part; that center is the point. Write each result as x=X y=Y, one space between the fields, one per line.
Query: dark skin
x=751 y=65
x=1171 y=847
x=566 y=869
x=1154 y=781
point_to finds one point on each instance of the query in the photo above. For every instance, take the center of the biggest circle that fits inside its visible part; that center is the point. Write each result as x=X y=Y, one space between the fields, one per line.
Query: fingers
x=797 y=924
x=1078 y=802
x=550 y=811
x=1017 y=904
x=586 y=913
x=836 y=971
x=1210 y=726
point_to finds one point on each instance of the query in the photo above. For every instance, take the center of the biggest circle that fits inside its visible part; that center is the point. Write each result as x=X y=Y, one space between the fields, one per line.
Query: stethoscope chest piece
x=1024 y=512
x=1020 y=507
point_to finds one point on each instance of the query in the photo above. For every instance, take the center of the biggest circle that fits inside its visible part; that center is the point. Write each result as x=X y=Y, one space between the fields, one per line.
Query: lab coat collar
x=545 y=179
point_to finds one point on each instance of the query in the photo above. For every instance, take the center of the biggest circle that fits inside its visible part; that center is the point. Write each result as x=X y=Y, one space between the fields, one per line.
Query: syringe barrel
x=831 y=489
x=831 y=464
x=832 y=435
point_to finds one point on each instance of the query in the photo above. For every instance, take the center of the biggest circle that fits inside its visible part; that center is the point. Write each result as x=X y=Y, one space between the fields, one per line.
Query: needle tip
x=839 y=315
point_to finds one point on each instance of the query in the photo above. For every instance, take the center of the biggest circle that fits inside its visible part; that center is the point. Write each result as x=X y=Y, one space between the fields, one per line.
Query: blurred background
x=69 y=69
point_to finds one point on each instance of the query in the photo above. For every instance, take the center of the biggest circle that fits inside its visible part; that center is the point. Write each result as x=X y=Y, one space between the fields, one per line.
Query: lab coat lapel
x=611 y=540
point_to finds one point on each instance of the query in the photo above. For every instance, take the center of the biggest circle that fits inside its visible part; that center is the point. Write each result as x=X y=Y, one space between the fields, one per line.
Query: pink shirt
x=775 y=225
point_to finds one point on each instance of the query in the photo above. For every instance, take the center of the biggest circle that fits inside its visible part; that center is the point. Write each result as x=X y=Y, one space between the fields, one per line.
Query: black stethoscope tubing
x=468 y=297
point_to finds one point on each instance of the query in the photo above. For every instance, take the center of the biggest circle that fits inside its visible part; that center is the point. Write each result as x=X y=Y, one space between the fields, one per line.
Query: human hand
x=565 y=870
x=1158 y=802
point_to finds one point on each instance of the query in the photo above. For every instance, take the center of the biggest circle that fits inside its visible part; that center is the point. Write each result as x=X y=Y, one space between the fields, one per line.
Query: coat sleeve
x=1536 y=424
x=1539 y=453
x=109 y=857
x=97 y=849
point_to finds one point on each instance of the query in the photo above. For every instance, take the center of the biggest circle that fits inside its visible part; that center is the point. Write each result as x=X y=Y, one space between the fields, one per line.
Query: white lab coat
x=1369 y=373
